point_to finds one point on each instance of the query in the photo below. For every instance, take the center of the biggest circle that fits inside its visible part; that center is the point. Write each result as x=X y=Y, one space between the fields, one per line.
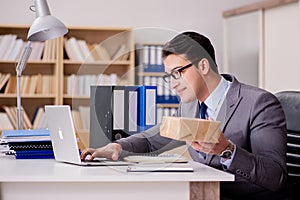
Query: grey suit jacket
x=253 y=120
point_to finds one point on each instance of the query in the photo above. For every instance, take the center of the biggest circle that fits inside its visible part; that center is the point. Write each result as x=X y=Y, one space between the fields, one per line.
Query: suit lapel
x=228 y=107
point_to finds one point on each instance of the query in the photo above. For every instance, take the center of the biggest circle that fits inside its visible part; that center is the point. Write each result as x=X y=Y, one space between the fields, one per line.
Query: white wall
x=154 y=20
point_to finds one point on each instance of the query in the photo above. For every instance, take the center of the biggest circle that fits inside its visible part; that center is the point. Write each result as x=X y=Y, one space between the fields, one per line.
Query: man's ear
x=204 y=66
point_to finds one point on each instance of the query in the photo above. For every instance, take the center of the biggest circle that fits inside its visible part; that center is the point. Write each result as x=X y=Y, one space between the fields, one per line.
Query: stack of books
x=29 y=144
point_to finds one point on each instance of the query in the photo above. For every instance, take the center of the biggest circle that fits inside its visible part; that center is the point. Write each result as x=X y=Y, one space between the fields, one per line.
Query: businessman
x=252 y=143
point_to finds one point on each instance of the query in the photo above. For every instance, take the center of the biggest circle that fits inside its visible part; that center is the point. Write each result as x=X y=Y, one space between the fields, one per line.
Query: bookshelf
x=79 y=72
x=118 y=42
x=35 y=92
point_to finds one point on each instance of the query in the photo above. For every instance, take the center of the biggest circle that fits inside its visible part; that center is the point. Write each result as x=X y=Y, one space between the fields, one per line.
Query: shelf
x=76 y=97
x=168 y=105
x=151 y=73
x=29 y=62
x=33 y=96
x=108 y=62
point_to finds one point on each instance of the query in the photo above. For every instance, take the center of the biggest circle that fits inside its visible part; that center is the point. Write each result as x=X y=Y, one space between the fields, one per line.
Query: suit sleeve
x=148 y=141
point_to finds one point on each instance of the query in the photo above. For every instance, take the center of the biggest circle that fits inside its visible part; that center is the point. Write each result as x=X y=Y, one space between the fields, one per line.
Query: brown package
x=190 y=129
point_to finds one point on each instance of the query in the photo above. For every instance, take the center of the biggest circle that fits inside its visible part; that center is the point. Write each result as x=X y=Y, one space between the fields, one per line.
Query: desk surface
x=48 y=170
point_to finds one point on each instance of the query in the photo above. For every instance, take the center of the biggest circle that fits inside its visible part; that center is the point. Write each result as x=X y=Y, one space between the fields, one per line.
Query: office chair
x=290 y=102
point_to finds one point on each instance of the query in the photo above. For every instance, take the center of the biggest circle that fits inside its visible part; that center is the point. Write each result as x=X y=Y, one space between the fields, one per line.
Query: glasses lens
x=176 y=74
x=166 y=78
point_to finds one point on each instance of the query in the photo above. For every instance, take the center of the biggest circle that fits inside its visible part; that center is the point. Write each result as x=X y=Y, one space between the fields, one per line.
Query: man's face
x=190 y=85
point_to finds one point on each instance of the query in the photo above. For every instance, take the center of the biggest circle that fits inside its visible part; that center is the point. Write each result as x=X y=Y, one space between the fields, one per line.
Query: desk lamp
x=44 y=27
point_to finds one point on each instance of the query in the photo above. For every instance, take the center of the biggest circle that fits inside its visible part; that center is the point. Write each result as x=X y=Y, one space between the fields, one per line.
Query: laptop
x=64 y=141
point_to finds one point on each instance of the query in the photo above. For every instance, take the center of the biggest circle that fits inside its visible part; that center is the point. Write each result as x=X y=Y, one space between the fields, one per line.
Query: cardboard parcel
x=190 y=129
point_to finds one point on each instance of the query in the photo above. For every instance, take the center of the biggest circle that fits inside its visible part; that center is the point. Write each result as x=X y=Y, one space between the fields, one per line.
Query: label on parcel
x=190 y=129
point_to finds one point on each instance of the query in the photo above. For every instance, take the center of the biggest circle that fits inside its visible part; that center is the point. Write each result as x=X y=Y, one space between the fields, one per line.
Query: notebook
x=63 y=138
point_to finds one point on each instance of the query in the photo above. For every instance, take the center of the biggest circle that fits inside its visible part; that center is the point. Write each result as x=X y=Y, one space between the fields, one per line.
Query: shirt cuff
x=227 y=162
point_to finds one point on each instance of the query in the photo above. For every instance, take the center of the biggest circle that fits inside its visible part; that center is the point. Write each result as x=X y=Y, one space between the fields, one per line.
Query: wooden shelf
x=168 y=105
x=60 y=67
x=151 y=74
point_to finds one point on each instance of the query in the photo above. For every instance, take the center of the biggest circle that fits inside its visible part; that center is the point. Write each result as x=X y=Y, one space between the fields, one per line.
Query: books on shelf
x=11 y=48
x=4 y=78
x=6 y=45
x=5 y=123
x=39 y=120
x=100 y=53
x=80 y=50
x=11 y=112
x=122 y=53
x=49 y=52
x=79 y=85
x=30 y=84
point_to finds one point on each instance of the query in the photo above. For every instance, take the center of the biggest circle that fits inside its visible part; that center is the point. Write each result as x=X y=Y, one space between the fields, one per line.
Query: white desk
x=47 y=179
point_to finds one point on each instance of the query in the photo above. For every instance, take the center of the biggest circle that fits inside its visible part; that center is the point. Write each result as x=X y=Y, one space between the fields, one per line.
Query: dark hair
x=193 y=46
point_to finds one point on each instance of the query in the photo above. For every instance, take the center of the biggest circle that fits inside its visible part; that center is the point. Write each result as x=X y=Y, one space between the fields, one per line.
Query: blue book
x=24 y=133
x=35 y=154
x=147 y=107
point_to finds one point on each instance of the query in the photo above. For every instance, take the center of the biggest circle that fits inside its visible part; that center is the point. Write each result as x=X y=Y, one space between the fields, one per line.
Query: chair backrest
x=290 y=102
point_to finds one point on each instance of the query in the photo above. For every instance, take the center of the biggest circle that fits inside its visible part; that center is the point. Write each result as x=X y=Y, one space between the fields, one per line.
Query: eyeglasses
x=175 y=73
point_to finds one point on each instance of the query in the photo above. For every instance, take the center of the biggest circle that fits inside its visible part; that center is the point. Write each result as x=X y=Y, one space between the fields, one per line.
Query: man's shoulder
x=248 y=90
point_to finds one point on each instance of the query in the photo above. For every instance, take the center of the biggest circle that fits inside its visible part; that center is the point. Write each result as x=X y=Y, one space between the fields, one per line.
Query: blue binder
x=147 y=107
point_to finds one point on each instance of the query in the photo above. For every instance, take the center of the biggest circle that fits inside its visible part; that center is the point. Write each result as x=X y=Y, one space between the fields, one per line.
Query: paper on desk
x=190 y=129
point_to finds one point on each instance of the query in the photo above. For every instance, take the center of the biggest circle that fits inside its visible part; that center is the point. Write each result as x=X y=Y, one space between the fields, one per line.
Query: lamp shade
x=45 y=26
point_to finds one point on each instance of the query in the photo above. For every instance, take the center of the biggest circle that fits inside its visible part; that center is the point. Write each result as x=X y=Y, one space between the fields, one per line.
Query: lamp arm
x=19 y=69
x=24 y=58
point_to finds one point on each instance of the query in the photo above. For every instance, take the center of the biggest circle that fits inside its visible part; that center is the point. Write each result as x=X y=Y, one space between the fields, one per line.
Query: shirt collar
x=214 y=99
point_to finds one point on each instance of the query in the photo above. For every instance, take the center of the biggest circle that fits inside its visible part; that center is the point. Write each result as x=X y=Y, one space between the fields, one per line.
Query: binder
x=153 y=61
x=118 y=113
x=147 y=107
x=146 y=58
x=131 y=110
x=100 y=115
x=106 y=114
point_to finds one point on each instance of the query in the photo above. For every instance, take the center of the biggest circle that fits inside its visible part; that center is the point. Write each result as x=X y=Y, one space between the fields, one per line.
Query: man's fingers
x=203 y=146
x=86 y=152
x=115 y=155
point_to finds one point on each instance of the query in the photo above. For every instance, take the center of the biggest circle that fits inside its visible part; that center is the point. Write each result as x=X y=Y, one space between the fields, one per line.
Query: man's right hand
x=111 y=151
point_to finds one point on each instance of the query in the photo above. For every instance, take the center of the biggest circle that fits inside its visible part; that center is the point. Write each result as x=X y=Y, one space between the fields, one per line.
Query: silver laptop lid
x=62 y=133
